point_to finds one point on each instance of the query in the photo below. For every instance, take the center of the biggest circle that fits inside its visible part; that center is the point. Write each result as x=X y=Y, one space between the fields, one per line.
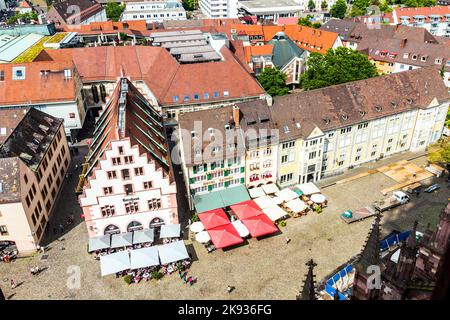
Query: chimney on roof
x=403 y=43
x=236 y=112
x=269 y=100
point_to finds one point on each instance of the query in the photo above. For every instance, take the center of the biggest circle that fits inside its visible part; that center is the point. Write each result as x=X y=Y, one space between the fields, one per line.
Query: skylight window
x=226 y=93
x=196 y=97
x=175 y=98
x=286 y=129
x=216 y=94
x=206 y=96
x=186 y=98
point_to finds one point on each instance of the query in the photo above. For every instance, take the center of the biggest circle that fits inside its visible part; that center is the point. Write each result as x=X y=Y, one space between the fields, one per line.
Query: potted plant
x=282 y=223
x=128 y=279
x=157 y=275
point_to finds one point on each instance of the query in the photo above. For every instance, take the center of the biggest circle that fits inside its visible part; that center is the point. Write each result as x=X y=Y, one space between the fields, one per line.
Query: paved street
x=264 y=269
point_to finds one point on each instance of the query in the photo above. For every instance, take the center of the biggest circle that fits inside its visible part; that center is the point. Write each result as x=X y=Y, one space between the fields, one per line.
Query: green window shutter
x=191 y=180
x=227 y=183
x=205 y=166
x=226 y=173
x=209 y=175
x=242 y=169
x=222 y=165
x=213 y=166
x=242 y=180
x=195 y=169
x=230 y=162
x=210 y=187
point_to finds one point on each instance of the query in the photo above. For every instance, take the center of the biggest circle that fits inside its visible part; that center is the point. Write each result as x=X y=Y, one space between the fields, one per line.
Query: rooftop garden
x=30 y=54
x=57 y=38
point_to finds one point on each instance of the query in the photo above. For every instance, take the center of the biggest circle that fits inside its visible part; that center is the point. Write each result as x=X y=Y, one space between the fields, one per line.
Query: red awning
x=213 y=218
x=259 y=225
x=246 y=209
x=225 y=236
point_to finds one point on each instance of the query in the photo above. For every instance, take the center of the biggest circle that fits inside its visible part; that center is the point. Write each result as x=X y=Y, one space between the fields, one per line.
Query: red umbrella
x=213 y=218
x=225 y=236
x=259 y=225
x=246 y=209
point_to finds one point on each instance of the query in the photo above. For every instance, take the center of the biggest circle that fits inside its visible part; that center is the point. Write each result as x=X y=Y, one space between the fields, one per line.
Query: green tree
x=339 y=9
x=189 y=5
x=359 y=7
x=273 y=81
x=324 y=5
x=114 y=11
x=22 y=17
x=305 y=21
x=311 y=5
x=439 y=152
x=337 y=66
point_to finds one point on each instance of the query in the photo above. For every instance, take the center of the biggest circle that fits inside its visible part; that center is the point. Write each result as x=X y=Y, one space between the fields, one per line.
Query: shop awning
x=296 y=205
x=122 y=240
x=256 y=192
x=220 y=199
x=99 y=243
x=308 y=188
x=274 y=212
x=213 y=218
x=246 y=209
x=225 y=236
x=170 y=231
x=145 y=257
x=172 y=252
x=287 y=195
x=270 y=188
x=277 y=200
x=259 y=226
x=114 y=262
x=142 y=236
x=264 y=202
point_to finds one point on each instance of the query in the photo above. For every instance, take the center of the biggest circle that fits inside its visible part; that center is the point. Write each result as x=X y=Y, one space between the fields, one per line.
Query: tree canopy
x=189 y=5
x=23 y=17
x=339 y=9
x=337 y=66
x=273 y=81
x=439 y=152
x=359 y=7
x=311 y=5
x=114 y=11
x=324 y=5
x=306 y=21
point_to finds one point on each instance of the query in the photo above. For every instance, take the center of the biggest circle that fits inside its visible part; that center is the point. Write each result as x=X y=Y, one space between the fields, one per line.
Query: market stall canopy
x=99 y=243
x=274 y=212
x=172 y=252
x=308 y=188
x=246 y=209
x=220 y=199
x=296 y=205
x=264 y=202
x=213 y=218
x=197 y=227
x=122 y=240
x=225 y=236
x=170 y=231
x=115 y=262
x=318 y=198
x=256 y=192
x=142 y=236
x=287 y=194
x=277 y=200
x=145 y=257
x=202 y=237
x=270 y=188
x=260 y=226
x=240 y=228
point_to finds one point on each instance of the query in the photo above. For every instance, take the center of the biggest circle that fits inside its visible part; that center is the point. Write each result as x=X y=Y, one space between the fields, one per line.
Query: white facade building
x=154 y=11
x=219 y=8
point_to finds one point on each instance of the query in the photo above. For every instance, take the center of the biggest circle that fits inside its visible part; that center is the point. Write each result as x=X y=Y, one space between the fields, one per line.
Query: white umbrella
x=287 y=194
x=264 y=202
x=170 y=231
x=318 y=198
x=122 y=240
x=256 y=192
x=274 y=212
x=202 y=237
x=308 y=188
x=296 y=205
x=145 y=257
x=197 y=227
x=114 y=262
x=241 y=228
x=270 y=188
x=172 y=252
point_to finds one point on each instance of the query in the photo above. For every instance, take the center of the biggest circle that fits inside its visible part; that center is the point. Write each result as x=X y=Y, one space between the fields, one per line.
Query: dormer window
x=193 y=134
x=393 y=104
x=18 y=73
x=327 y=121
x=378 y=108
x=424 y=58
x=414 y=57
x=344 y=117
x=227 y=127
x=438 y=61
x=286 y=129
x=410 y=101
x=405 y=55
x=211 y=131
x=362 y=113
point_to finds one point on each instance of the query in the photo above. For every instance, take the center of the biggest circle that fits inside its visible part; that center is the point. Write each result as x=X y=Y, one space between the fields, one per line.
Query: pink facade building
x=127 y=182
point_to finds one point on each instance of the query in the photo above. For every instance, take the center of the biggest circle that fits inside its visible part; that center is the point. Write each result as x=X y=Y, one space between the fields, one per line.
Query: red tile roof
x=165 y=77
x=252 y=51
x=37 y=88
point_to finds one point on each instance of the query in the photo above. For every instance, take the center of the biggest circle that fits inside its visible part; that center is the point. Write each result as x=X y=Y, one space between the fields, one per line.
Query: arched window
x=134 y=226
x=95 y=93
x=156 y=223
x=112 y=229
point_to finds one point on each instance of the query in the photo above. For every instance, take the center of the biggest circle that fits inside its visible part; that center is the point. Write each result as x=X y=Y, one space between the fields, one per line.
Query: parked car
x=432 y=188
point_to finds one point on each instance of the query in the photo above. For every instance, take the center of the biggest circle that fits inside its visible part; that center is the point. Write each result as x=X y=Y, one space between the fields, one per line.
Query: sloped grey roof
x=284 y=50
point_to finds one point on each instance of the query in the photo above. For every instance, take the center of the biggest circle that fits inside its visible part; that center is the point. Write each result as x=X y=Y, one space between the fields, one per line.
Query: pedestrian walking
x=191 y=281
x=288 y=240
x=230 y=288
x=185 y=279
x=13 y=284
